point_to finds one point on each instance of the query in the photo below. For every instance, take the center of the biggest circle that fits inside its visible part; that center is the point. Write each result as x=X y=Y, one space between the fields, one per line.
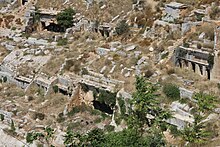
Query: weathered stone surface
x=184 y=93
x=181 y=115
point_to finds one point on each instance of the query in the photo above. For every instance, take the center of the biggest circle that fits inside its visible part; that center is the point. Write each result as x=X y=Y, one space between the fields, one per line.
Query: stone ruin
x=201 y=60
x=181 y=115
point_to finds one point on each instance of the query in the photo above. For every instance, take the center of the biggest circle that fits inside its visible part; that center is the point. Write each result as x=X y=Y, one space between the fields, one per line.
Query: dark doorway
x=102 y=107
x=180 y=64
x=201 y=70
x=186 y=63
x=194 y=67
x=24 y=1
x=54 y=28
x=63 y=92
x=208 y=74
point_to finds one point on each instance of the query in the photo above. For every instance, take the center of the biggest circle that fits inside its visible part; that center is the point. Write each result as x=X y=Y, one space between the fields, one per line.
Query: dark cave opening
x=102 y=107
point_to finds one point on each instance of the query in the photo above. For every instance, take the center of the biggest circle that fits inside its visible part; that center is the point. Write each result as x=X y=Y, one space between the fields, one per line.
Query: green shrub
x=174 y=131
x=12 y=126
x=163 y=56
x=55 y=89
x=122 y=27
x=106 y=97
x=121 y=103
x=199 y=46
x=2 y=117
x=170 y=71
x=13 y=28
x=109 y=128
x=71 y=126
x=60 y=118
x=62 y=42
x=205 y=102
x=171 y=91
x=5 y=79
x=65 y=18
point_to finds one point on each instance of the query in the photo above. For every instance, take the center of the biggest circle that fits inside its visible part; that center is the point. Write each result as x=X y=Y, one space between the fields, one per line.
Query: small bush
x=163 y=56
x=62 y=42
x=60 y=118
x=121 y=103
x=38 y=115
x=148 y=73
x=72 y=126
x=2 y=117
x=171 y=91
x=109 y=128
x=5 y=79
x=174 y=131
x=122 y=27
x=13 y=28
x=55 y=89
x=65 y=18
x=170 y=71
x=199 y=46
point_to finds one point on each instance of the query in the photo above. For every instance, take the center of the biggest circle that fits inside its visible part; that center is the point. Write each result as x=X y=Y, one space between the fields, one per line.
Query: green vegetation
x=12 y=126
x=49 y=132
x=41 y=136
x=145 y=102
x=2 y=117
x=197 y=132
x=55 y=89
x=125 y=138
x=122 y=27
x=13 y=28
x=205 y=102
x=36 y=16
x=109 y=128
x=32 y=136
x=106 y=97
x=146 y=112
x=65 y=18
x=62 y=42
x=215 y=11
x=171 y=91
x=122 y=106
x=5 y=79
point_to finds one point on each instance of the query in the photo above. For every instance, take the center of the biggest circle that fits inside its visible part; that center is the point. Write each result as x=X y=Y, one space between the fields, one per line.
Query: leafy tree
x=155 y=138
x=171 y=91
x=65 y=18
x=106 y=97
x=122 y=27
x=146 y=108
x=197 y=132
x=205 y=102
x=125 y=138
x=95 y=137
